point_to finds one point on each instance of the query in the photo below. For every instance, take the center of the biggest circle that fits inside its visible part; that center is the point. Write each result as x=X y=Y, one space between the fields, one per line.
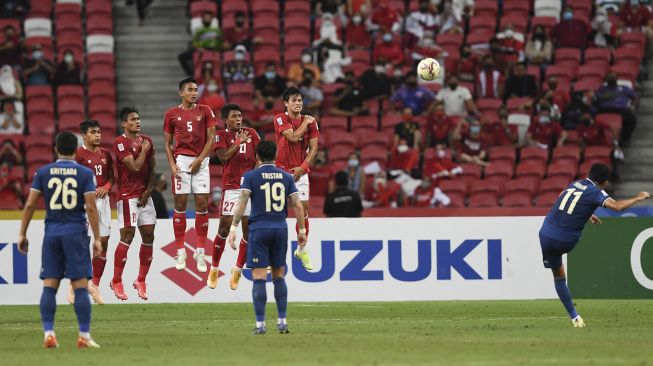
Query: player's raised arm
x=135 y=165
x=624 y=204
x=170 y=155
x=238 y=215
x=299 y=214
x=293 y=135
x=28 y=212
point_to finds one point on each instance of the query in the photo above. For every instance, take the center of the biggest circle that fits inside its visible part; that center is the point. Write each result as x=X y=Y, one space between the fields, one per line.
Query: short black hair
x=187 y=80
x=239 y=13
x=125 y=111
x=342 y=178
x=599 y=173
x=227 y=108
x=89 y=123
x=290 y=92
x=266 y=150
x=66 y=143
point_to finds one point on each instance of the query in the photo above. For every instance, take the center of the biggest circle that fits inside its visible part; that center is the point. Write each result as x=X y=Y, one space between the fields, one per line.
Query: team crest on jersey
x=279 y=121
x=249 y=140
x=198 y=118
x=178 y=118
x=121 y=147
x=104 y=161
x=89 y=161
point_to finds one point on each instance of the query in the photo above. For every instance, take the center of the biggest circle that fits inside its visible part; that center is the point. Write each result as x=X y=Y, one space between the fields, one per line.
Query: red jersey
x=594 y=134
x=406 y=161
x=240 y=162
x=132 y=184
x=439 y=126
x=423 y=196
x=434 y=167
x=188 y=126
x=100 y=162
x=545 y=133
x=292 y=154
x=470 y=145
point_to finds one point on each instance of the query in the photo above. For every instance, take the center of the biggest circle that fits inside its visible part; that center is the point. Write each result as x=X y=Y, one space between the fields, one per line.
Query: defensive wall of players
x=379 y=259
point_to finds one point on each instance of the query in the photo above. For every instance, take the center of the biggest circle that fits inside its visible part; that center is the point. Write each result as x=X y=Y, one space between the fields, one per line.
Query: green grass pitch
x=475 y=333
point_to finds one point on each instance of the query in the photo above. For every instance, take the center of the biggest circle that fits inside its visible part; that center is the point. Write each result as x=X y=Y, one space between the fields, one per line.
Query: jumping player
x=564 y=224
x=65 y=243
x=295 y=135
x=136 y=172
x=236 y=148
x=270 y=189
x=192 y=127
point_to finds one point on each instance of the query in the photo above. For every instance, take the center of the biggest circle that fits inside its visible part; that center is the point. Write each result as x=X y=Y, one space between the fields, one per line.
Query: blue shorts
x=552 y=251
x=267 y=248
x=66 y=256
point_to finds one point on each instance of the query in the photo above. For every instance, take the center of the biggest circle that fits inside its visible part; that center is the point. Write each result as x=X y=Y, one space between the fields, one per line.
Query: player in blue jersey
x=65 y=250
x=563 y=226
x=270 y=189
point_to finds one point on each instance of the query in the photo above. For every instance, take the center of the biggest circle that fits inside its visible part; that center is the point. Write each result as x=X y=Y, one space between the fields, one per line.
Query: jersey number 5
x=66 y=190
x=563 y=203
x=275 y=197
x=189 y=125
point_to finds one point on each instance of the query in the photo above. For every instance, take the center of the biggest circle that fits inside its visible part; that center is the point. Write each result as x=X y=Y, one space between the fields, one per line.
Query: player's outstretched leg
x=119 y=261
x=145 y=257
x=260 y=298
x=218 y=249
x=179 y=227
x=202 y=228
x=48 y=307
x=560 y=280
x=281 y=297
x=302 y=253
x=240 y=263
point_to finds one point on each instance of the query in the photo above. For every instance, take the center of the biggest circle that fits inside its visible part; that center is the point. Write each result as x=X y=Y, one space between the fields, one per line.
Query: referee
x=343 y=202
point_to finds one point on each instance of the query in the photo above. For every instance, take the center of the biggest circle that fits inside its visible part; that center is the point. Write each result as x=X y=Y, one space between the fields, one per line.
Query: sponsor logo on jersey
x=279 y=121
x=198 y=118
x=121 y=147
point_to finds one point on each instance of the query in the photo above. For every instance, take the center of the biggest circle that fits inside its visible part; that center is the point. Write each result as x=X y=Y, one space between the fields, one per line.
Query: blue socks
x=48 y=307
x=281 y=296
x=83 y=310
x=259 y=297
x=565 y=297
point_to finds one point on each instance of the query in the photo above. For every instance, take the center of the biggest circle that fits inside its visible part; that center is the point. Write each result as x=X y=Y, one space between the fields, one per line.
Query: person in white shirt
x=457 y=99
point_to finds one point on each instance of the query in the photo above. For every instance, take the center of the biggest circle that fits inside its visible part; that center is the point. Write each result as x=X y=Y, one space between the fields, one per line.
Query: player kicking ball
x=65 y=242
x=563 y=226
x=270 y=189
x=236 y=149
x=192 y=127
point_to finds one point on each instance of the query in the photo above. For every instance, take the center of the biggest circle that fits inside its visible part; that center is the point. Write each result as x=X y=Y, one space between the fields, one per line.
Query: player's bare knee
x=225 y=225
x=260 y=273
x=201 y=202
x=181 y=201
x=278 y=273
x=559 y=273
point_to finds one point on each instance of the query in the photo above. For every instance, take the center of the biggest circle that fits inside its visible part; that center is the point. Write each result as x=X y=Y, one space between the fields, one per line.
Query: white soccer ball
x=428 y=69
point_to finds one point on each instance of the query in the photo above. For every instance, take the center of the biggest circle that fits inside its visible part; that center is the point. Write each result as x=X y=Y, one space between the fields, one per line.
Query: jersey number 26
x=65 y=189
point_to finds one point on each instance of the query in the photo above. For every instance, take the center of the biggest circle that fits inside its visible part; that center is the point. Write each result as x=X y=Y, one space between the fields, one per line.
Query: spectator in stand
x=355 y=173
x=554 y=112
x=359 y=6
x=9 y=152
x=571 y=32
x=212 y=97
x=375 y=82
x=270 y=84
x=574 y=110
x=439 y=127
x=499 y=132
x=261 y=119
x=404 y=157
x=313 y=96
x=239 y=70
x=489 y=83
x=470 y=145
x=468 y=65
x=207 y=37
x=512 y=43
x=349 y=100
x=11 y=122
x=7 y=182
x=343 y=201
x=37 y=70
x=539 y=49
x=413 y=96
x=450 y=19
x=428 y=195
x=637 y=17
x=329 y=31
x=11 y=48
x=240 y=34
x=397 y=81
x=296 y=71
x=407 y=130
x=544 y=132
x=68 y=71
x=604 y=33
x=500 y=61
x=594 y=134
x=426 y=47
x=208 y=72
x=333 y=7
x=10 y=88
x=383 y=193
x=520 y=84
x=333 y=63
x=556 y=97
x=356 y=34
x=614 y=98
x=16 y=9
x=385 y=17
x=321 y=174
x=160 y=186
x=457 y=99
x=419 y=22
x=388 y=49
x=440 y=165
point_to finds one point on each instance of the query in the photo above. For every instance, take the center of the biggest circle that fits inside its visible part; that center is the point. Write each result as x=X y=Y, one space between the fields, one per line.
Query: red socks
x=98 y=267
x=242 y=254
x=202 y=228
x=305 y=225
x=119 y=260
x=145 y=256
x=179 y=227
x=219 y=244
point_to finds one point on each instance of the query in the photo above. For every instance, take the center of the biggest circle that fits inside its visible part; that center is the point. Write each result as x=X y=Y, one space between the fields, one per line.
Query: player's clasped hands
x=146 y=145
x=308 y=118
x=242 y=136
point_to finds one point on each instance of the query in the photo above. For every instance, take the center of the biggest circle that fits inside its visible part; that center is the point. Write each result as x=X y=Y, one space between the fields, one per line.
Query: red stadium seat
x=99 y=23
x=499 y=169
x=625 y=71
x=328 y=123
x=453 y=186
x=487 y=104
x=519 y=23
x=486 y=8
x=339 y=138
x=535 y=168
x=302 y=38
x=198 y=8
x=240 y=89
x=547 y=22
x=517 y=199
x=367 y=123
x=366 y=138
x=533 y=153
x=101 y=59
x=546 y=199
x=374 y=153
x=513 y=104
x=95 y=92
x=69 y=121
x=554 y=184
x=528 y=184
x=40 y=9
x=633 y=40
x=102 y=104
x=66 y=8
x=502 y=154
x=297 y=8
x=482 y=25
x=31 y=141
x=9 y=200
x=518 y=7
x=64 y=91
x=484 y=199
x=98 y=7
x=101 y=72
x=587 y=84
x=486 y=185
x=561 y=72
x=600 y=153
x=70 y=22
x=628 y=55
x=450 y=39
x=600 y=57
x=265 y=8
x=39 y=154
x=569 y=154
x=612 y=120
x=38 y=92
x=471 y=171
x=563 y=168
x=339 y=153
x=266 y=24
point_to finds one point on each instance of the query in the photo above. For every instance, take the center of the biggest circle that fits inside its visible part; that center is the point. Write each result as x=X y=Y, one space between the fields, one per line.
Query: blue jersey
x=270 y=188
x=572 y=210
x=63 y=185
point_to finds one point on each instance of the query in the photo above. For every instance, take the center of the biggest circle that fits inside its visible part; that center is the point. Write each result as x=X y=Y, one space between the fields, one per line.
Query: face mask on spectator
x=568 y=15
x=239 y=56
x=68 y=58
x=240 y=22
x=441 y=153
x=357 y=19
x=379 y=69
x=428 y=42
x=380 y=181
x=475 y=130
x=270 y=75
x=37 y=55
x=402 y=148
x=545 y=119
x=212 y=88
x=407 y=117
x=634 y=2
x=397 y=74
x=306 y=59
x=508 y=33
x=387 y=37
x=353 y=163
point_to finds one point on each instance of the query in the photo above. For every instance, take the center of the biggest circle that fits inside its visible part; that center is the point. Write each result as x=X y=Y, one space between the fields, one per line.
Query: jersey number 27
x=572 y=205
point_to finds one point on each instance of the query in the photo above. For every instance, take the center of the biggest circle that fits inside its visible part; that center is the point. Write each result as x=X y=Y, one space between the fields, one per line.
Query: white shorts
x=230 y=199
x=199 y=182
x=130 y=215
x=303 y=188
x=104 y=217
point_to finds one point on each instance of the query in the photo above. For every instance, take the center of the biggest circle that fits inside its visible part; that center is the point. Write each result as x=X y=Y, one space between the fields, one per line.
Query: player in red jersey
x=295 y=134
x=236 y=148
x=99 y=160
x=192 y=127
x=136 y=171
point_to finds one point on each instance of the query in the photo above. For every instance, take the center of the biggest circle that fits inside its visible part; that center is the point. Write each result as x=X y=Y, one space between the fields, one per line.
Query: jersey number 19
x=275 y=198
x=65 y=189
x=563 y=203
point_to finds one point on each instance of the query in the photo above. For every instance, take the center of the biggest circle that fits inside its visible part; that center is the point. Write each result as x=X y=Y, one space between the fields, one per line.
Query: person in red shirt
x=99 y=160
x=356 y=34
x=593 y=134
x=385 y=16
x=403 y=157
x=499 y=133
x=571 y=32
x=295 y=135
x=322 y=174
x=388 y=50
x=428 y=194
x=383 y=193
x=469 y=143
x=440 y=165
x=489 y=82
x=634 y=15
x=554 y=95
x=439 y=127
x=192 y=128
x=236 y=149
x=544 y=132
x=136 y=173
x=212 y=96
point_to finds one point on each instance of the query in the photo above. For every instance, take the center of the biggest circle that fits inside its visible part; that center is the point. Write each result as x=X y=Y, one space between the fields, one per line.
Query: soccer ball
x=428 y=69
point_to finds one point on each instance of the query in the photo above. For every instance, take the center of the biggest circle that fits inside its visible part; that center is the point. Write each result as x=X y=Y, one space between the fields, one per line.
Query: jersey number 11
x=563 y=203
